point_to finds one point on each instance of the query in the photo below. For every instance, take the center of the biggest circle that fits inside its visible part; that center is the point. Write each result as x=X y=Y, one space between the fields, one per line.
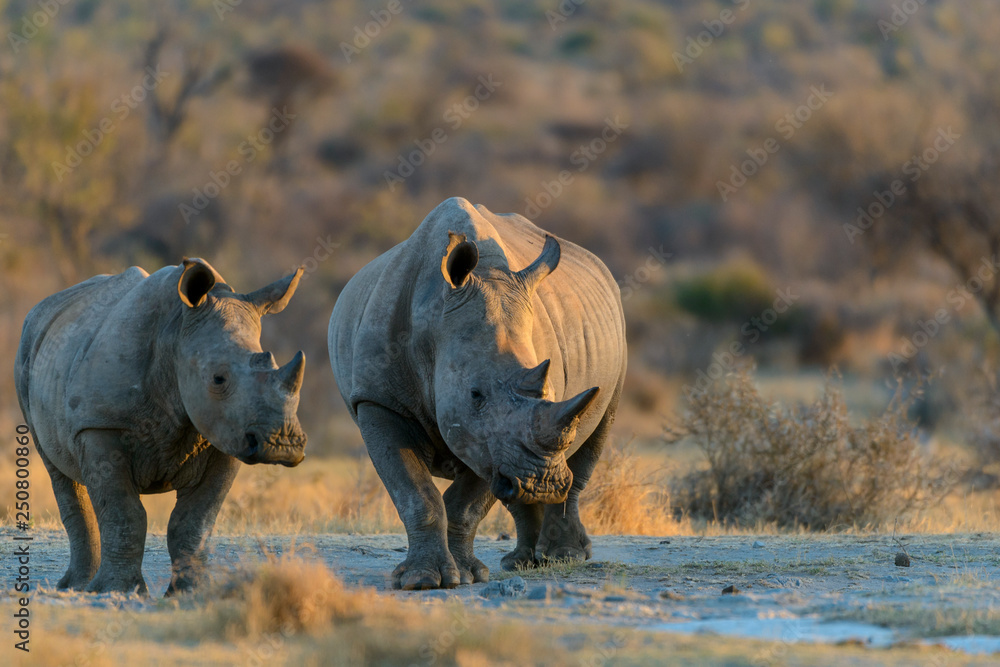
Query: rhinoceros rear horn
x=546 y=263
x=274 y=297
x=290 y=375
x=196 y=281
x=459 y=260
x=532 y=382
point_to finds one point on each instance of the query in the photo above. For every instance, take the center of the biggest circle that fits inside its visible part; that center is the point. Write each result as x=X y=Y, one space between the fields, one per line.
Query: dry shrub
x=287 y=595
x=801 y=467
x=621 y=499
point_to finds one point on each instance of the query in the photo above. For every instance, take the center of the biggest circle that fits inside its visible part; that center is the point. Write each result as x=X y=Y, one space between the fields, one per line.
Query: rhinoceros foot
x=472 y=570
x=110 y=581
x=563 y=537
x=423 y=571
x=521 y=558
x=75 y=580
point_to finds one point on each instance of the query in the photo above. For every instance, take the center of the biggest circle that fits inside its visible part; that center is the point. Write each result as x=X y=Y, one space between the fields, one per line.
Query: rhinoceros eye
x=478 y=399
x=219 y=384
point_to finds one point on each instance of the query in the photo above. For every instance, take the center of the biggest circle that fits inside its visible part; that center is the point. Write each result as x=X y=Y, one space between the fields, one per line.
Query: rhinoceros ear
x=546 y=263
x=274 y=297
x=197 y=279
x=459 y=260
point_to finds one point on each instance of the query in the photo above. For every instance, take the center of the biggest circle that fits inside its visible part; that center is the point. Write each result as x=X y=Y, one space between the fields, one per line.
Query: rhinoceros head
x=491 y=391
x=234 y=393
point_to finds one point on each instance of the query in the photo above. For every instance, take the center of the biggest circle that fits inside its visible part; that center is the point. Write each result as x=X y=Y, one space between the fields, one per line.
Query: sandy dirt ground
x=804 y=588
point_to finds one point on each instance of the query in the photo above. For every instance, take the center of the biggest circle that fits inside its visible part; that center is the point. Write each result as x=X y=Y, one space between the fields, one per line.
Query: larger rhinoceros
x=136 y=383
x=460 y=356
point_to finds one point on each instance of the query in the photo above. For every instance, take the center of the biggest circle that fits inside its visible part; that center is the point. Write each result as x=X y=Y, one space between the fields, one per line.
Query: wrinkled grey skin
x=484 y=351
x=138 y=383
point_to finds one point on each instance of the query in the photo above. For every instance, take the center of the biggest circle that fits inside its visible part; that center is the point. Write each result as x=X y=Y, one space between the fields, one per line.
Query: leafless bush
x=805 y=466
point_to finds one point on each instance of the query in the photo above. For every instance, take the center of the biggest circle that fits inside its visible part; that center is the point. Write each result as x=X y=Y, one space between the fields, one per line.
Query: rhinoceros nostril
x=252 y=449
x=503 y=488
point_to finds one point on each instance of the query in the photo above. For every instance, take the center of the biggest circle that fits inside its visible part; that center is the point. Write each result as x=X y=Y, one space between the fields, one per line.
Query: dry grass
x=804 y=466
x=293 y=611
x=629 y=494
x=623 y=499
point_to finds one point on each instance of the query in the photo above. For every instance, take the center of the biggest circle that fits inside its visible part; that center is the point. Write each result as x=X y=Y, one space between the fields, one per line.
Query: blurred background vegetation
x=316 y=190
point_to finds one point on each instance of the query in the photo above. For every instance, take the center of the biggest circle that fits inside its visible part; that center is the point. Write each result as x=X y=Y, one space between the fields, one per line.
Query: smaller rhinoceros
x=138 y=383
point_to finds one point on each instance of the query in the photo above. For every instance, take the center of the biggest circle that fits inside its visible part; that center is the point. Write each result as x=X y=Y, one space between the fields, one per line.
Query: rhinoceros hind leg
x=120 y=514
x=563 y=535
x=193 y=518
x=398 y=450
x=78 y=518
x=467 y=500
x=528 y=522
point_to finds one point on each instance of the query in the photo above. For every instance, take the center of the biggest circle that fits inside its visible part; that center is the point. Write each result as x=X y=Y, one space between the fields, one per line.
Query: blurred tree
x=201 y=75
x=288 y=78
x=936 y=198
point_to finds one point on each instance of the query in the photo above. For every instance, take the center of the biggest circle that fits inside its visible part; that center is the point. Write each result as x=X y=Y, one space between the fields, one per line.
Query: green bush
x=732 y=292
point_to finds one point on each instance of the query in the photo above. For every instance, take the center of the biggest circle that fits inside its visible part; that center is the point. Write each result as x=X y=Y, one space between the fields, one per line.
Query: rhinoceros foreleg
x=467 y=500
x=77 y=515
x=528 y=522
x=563 y=535
x=193 y=518
x=398 y=450
x=121 y=517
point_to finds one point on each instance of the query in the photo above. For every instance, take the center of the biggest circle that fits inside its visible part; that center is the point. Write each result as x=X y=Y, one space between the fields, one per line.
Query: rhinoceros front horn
x=555 y=421
x=290 y=375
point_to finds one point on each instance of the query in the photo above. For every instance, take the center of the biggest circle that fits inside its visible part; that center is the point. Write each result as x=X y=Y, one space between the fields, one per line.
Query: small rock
x=503 y=537
x=759 y=545
x=902 y=559
x=665 y=542
x=544 y=592
x=671 y=595
x=730 y=590
x=506 y=588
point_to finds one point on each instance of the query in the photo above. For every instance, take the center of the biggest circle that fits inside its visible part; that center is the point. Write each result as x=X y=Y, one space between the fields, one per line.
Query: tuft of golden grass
x=287 y=595
x=623 y=499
